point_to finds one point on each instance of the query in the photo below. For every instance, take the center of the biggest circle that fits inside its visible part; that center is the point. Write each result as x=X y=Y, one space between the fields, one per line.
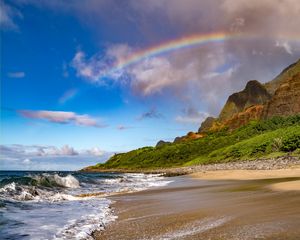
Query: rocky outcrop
x=287 y=73
x=207 y=124
x=253 y=94
x=162 y=143
x=286 y=99
x=237 y=120
x=279 y=97
x=240 y=119
x=189 y=136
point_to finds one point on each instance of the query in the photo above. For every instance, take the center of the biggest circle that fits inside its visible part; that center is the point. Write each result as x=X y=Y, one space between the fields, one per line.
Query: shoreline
x=198 y=208
x=282 y=162
x=205 y=192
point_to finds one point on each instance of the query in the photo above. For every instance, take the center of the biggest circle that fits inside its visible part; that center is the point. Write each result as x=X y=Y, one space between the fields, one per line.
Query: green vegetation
x=273 y=137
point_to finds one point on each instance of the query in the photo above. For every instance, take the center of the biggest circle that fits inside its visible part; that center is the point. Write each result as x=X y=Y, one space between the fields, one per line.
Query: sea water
x=62 y=205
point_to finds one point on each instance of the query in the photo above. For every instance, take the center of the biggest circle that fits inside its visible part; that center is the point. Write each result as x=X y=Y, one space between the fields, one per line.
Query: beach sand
x=255 y=175
x=247 y=174
x=235 y=204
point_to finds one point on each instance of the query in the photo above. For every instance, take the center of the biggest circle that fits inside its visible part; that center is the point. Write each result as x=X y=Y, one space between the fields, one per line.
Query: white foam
x=68 y=181
x=83 y=227
x=8 y=187
x=196 y=227
x=112 y=181
x=53 y=207
x=12 y=191
x=139 y=181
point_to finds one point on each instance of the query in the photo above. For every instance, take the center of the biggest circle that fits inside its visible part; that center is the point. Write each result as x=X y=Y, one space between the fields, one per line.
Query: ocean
x=63 y=205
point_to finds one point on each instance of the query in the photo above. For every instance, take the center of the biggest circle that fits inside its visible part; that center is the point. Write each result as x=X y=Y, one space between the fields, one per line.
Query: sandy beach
x=235 y=204
x=293 y=185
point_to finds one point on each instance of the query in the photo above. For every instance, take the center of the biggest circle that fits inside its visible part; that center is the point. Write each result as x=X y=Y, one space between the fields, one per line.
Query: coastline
x=191 y=208
x=282 y=162
x=261 y=200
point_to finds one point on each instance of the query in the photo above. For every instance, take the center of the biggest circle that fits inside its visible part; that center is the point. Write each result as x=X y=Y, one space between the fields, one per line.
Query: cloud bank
x=204 y=75
x=191 y=116
x=207 y=74
x=41 y=157
x=8 y=16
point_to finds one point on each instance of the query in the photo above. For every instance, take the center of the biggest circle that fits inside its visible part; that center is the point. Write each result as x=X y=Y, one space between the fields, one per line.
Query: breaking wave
x=62 y=205
x=38 y=187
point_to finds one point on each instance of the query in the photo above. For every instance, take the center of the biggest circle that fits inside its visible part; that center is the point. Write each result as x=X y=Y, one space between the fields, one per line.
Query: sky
x=82 y=80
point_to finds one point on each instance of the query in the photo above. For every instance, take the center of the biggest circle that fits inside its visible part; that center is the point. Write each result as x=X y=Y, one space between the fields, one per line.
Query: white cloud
x=8 y=14
x=26 y=161
x=16 y=74
x=146 y=77
x=155 y=74
x=285 y=45
x=123 y=127
x=29 y=152
x=191 y=116
x=65 y=150
x=62 y=117
x=98 y=67
x=68 y=95
x=95 y=151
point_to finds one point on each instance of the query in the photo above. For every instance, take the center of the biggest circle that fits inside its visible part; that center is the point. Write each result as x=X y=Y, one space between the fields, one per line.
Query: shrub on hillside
x=291 y=143
x=277 y=144
x=261 y=148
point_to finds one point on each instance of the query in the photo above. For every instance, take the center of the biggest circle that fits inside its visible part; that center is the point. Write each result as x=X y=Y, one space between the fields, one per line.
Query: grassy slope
x=275 y=136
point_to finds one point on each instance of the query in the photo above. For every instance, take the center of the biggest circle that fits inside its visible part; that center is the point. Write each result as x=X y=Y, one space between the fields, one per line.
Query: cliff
x=253 y=94
x=279 y=97
x=287 y=73
x=286 y=99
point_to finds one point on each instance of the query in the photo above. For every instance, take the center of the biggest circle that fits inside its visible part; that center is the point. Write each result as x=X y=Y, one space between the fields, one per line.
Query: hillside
x=273 y=137
x=262 y=120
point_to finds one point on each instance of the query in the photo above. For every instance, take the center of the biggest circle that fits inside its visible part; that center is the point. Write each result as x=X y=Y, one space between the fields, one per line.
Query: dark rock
x=253 y=94
x=162 y=143
x=286 y=100
x=288 y=72
x=206 y=124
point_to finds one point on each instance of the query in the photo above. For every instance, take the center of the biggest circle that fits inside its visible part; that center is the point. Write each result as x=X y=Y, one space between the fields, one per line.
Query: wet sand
x=192 y=208
x=286 y=186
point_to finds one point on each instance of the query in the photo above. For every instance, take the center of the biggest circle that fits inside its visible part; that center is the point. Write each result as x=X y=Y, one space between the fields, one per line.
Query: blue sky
x=51 y=98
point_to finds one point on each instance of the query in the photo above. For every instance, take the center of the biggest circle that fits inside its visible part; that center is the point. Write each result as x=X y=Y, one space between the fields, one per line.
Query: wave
x=68 y=181
x=43 y=180
x=81 y=197
x=82 y=228
x=38 y=187
x=196 y=227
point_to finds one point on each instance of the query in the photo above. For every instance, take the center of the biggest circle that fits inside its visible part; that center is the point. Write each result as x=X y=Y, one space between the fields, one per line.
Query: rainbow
x=166 y=47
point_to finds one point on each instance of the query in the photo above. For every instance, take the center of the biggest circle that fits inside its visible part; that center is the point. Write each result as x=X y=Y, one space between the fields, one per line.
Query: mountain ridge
x=258 y=101
x=259 y=121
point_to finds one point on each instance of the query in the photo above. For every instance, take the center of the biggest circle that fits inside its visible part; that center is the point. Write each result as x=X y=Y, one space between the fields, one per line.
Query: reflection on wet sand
x=203 y=209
